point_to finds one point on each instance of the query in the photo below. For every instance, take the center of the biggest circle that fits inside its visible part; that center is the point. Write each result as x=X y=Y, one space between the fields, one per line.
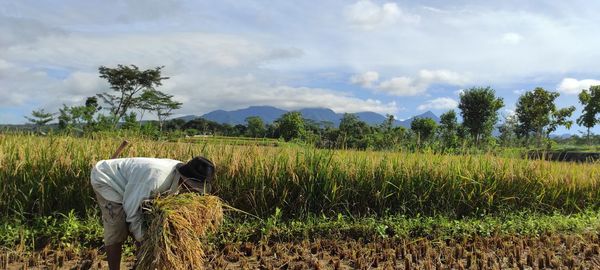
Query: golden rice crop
x=176 y=225
x=41 y=175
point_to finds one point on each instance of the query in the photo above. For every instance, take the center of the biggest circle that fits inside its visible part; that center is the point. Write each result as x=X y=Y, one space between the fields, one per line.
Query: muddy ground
x=509 y=252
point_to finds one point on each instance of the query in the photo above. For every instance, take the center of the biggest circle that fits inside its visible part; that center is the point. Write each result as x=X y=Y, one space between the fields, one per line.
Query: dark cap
x=198 y=168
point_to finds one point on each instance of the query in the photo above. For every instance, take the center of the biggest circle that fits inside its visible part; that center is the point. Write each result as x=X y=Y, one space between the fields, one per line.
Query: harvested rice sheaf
x=176 y=225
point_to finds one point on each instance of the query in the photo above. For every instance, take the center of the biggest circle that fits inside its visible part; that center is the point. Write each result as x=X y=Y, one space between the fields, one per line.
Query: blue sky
x=390 y=57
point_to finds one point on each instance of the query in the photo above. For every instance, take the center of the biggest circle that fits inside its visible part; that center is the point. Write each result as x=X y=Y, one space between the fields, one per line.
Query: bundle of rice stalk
x=177 y=223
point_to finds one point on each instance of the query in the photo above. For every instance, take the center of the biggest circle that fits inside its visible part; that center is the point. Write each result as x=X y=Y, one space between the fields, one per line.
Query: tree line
x=134 y=93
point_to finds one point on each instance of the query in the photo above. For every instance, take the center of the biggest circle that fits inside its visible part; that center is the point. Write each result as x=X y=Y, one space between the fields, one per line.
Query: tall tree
x=130 y=121
x=449 y=129
x=40 y=118
x=290 y=126
x=385 y=136
x=158 y=102
x=590 y=99
x=79 y=116
x=537 y=113
x=388 y=124
x=353 y=132
x=129 y=82
x=424 y=128
x=479 y=109
x=255 y=127
x=508 y=130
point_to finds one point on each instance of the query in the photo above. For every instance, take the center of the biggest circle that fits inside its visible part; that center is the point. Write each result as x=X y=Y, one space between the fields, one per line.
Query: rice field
x=511 y=252
x=310 y=208
x=45 y=175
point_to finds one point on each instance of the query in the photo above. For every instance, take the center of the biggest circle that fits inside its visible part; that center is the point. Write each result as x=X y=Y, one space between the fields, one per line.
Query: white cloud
x=24 y=87
x=240 y=92
x=511 y=38
x=442 y=103
x=509 y=112
x=20 y=85
x=194 y=49
x=571 y=86
x=84 y=83
x=208 y=72
x=368 y=15
x=442 y=76
x=284 y=44
x=459 y=92
x=365 y=79
x=406 y=86
x=402 y=86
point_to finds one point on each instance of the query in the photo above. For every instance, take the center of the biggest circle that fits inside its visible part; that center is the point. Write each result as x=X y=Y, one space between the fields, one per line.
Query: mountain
x=371 y=118
x=428 y=114
x=187 y=118
x=321 y=115
x=561 y=136
x=270 y=114
x=267 y=113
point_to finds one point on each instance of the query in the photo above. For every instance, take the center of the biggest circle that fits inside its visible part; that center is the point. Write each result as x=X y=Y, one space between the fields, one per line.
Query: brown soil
x=52 y=259
x=510 y=252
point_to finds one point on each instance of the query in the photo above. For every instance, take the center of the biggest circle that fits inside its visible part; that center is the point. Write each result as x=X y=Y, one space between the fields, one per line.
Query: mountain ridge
x=318 y=114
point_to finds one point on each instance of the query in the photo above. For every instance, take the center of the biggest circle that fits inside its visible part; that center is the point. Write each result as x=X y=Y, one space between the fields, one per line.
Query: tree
x=326 y=125
x=385 y=135
x=537 y=113
x=255 y=127
x=205 y=126
x=239 y=130
x=312 y=126
x=158 y=102
x=449 y=129
x=191 y=132
x=91 y=108
x=388 y=124
x=590 y=99
x=79 y=116
x=508 y=130
x=424 y=128
x=130 y=121
x=128 y=82
x=175 y=124
x=353 y=132
x=40 y=118
x=290 y=126
x=479 y=109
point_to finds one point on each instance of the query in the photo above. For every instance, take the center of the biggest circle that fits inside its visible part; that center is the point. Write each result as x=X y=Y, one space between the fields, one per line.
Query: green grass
x=71 y=232
x=576 y=148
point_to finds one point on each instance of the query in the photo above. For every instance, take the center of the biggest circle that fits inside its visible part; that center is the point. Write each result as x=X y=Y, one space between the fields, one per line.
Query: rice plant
x=43 y=175
x=177 y=224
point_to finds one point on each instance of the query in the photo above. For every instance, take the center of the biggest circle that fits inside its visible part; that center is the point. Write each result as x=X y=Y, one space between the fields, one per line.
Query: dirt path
x=549 y=251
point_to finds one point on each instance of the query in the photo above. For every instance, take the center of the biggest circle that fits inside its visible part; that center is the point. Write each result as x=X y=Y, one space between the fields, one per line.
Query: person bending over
x=122 y=184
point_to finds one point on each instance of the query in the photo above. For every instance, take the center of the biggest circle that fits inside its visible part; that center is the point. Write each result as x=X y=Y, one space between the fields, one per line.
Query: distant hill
x=187 y=118
x=319 y=115
x=267 y=113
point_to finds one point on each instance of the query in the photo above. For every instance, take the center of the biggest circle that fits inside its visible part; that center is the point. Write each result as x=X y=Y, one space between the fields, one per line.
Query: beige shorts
x=113 y=220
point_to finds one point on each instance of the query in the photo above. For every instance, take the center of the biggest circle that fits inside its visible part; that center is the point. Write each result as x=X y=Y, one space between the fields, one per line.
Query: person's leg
x=113 y=255
x=115 y=230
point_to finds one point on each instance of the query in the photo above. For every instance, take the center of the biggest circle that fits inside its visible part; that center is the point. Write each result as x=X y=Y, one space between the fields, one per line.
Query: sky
x=391 y=57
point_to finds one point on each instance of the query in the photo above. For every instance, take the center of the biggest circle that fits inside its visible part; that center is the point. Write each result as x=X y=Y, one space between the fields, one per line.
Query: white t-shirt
x=129 y=181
